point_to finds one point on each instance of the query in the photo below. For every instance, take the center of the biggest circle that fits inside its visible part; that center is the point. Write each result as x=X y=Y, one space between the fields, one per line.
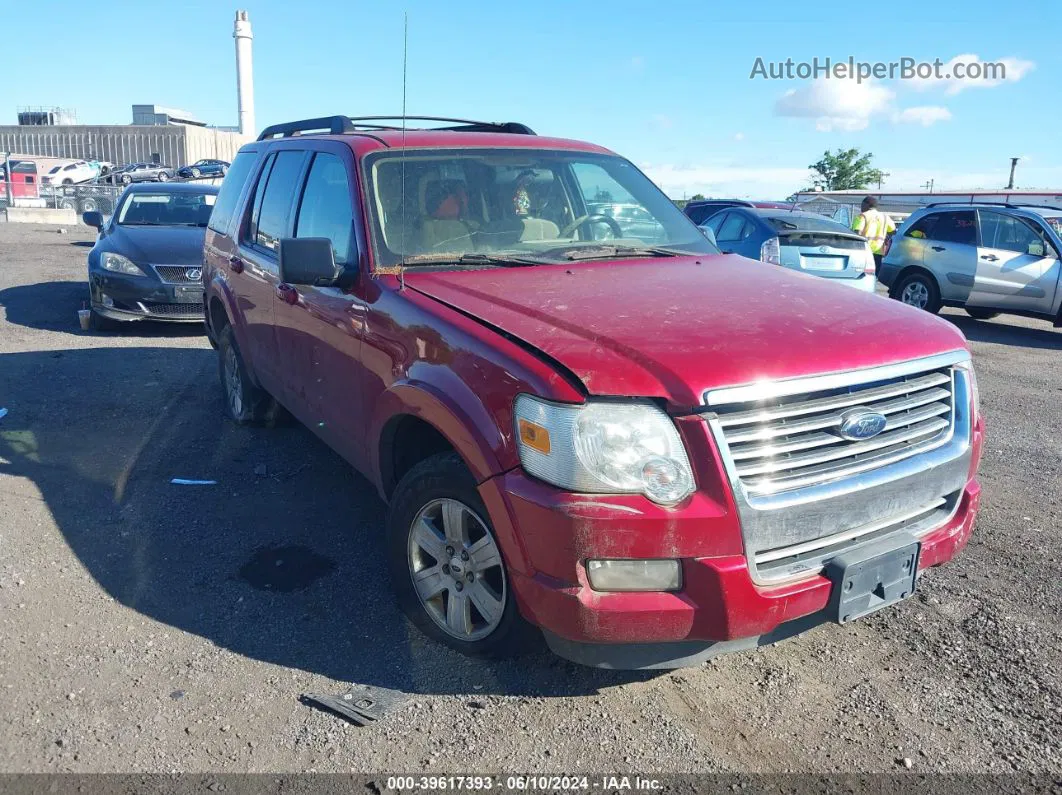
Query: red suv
x=651 y=452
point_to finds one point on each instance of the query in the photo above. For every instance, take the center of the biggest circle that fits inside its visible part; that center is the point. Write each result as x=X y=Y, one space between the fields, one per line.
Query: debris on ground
x=362 y=705
x=3 y=413
x=186 y=482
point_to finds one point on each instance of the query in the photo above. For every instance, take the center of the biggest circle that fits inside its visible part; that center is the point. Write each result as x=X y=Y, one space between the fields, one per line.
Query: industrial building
x=157 y=134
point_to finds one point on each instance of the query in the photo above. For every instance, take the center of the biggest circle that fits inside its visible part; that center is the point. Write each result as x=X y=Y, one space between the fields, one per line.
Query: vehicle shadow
x=280 y=559
x=53 y=306
x=1000 y=332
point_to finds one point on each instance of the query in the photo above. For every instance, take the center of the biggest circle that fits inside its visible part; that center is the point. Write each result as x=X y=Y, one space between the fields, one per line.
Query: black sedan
x=203 y=168
x=147 y=263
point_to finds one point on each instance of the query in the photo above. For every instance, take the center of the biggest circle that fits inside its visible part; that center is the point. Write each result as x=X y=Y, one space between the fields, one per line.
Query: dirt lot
x=134 y=638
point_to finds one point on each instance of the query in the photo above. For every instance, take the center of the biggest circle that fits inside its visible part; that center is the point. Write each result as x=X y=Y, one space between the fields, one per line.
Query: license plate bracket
x=188 y=295
x=868 y=579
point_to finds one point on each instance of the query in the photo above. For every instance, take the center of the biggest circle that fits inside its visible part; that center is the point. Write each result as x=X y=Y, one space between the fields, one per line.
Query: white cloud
x=845 y=105
x=1010 y=70
x=926 y=115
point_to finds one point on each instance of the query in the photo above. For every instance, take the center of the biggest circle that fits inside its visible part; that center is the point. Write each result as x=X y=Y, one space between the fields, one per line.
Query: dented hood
x=674 y=327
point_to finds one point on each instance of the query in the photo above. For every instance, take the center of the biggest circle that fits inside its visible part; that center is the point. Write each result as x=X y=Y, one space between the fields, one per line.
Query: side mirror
x=1037 y=249
x=93 y=218
x=708 y=233
x=308 y=260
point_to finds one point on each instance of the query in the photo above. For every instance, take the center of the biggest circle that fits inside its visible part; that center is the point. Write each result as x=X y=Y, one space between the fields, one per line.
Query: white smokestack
x=244 y=73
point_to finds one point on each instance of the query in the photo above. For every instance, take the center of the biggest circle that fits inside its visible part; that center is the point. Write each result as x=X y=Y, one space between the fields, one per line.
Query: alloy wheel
x=915 y=294
x=456 y=569
x=233 y=383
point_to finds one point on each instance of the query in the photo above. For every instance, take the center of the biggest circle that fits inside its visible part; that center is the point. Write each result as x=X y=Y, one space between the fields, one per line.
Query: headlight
x=604 y=448
x=119 y=264
x=975 y=395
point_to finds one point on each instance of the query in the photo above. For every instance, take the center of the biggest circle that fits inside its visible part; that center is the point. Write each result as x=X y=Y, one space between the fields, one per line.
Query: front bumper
x=131 y=298
x=547 y=535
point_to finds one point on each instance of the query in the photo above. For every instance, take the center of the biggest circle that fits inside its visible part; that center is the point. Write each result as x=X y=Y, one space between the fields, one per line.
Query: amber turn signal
x=534 y=436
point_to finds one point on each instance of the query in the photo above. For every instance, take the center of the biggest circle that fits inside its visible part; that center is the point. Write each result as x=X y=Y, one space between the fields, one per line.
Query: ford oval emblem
x=193 y=274
x=859 y=424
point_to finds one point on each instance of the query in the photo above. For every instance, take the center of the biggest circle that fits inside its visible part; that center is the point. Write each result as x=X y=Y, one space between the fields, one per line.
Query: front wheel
x=446 y=567
x=245 y=403
x=919 y=290
x=98 y=322
x=981 y=314
x=163 y=176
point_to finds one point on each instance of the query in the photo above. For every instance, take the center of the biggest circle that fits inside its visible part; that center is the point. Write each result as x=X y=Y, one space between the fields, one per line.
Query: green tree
x=845 y=169
x=696 y=197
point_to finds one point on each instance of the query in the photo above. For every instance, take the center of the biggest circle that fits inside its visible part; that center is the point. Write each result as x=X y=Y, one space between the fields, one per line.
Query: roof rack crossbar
x=459 y=125
x=1012 y=205
x=335 y=125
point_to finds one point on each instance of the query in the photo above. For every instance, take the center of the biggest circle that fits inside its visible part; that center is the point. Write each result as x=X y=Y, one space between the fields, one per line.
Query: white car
x=70 y=173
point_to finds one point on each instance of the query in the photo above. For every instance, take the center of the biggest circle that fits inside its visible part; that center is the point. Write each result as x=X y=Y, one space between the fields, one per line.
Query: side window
x=249 y=227
x=325 y=209
x=274 y=214
x=923 y=229
x=732 y=229
x=716 y=221
x=231 y=188
x=1010 y=233
x=956 y=227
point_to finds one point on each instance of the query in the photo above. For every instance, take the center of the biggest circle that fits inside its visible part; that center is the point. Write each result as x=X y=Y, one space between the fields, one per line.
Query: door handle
x=938 y=248
x=287 y=293
x=989 y=257
x=236 y=264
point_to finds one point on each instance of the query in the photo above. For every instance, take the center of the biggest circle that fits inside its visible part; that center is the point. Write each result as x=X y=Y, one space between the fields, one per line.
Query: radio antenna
x=405 y=62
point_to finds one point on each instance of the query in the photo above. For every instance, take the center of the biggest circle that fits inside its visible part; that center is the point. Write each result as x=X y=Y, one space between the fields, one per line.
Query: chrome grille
x=178 y=274
x=794 y=441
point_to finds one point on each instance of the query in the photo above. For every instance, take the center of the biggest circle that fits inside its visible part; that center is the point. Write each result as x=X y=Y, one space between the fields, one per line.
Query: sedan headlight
x=604 y=448
x=110 y=261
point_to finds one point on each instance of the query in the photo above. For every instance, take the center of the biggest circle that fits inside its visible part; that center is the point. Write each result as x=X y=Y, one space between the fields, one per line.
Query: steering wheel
x=569 y=230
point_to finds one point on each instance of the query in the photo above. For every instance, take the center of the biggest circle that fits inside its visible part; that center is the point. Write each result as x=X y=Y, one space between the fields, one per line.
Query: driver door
x=1017 y=267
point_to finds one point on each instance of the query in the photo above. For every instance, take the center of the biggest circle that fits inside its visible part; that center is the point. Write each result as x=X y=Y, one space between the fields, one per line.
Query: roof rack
x=346 y=125
x=1012 y=205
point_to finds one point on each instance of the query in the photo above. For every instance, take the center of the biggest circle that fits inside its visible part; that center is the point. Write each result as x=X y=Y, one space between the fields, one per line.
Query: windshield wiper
x=471 y=258
x=610 y=252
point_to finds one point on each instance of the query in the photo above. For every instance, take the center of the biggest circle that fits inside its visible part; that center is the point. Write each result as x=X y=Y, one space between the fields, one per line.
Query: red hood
x=673 y=327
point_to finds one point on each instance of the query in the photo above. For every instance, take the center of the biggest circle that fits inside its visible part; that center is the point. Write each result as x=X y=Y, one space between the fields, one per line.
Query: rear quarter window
x=231 y=188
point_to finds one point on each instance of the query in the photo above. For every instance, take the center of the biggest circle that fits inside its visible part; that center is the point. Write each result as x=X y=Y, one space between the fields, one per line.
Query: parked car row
x=591 y=425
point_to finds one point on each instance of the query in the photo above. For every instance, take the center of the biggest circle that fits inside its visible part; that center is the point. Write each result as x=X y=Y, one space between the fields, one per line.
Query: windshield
x=166 y=209
x=440 y=206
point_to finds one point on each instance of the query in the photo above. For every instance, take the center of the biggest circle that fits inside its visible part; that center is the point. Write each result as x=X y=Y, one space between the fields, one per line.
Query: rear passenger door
x=735 y=235
x=1016 y=265
x=267 y=218
x=319 y=329
x=950 y=252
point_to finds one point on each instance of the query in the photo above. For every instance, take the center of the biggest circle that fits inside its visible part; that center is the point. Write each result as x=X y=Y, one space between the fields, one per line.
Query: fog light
x=107 y=300
x=634 y=575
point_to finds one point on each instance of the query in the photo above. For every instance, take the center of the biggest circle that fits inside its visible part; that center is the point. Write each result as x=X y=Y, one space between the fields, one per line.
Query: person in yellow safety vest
x=875 y=226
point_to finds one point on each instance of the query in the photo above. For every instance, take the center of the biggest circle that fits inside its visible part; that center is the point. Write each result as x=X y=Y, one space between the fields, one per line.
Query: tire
x=196 y=173
x=163 y=176
x=98 y=322
x=918 y=289
x=245 y=403
x=126 y=179
x=224 y=170
x=426 y=493
x=981 y=314
x=88 y=205
x=68 y=181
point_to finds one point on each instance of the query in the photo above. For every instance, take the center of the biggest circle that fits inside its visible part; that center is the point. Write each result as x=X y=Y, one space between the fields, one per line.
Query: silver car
x=988 y=259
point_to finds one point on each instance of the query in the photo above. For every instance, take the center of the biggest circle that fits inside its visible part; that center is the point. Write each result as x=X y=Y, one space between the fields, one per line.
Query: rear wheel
x=918 y=289
x=446 y=567
x=245 y=403
x=196 y=173
x=163 y=176
x=981 y=314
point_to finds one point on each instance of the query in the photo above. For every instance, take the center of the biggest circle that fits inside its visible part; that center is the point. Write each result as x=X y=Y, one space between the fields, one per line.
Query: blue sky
x=664 y=84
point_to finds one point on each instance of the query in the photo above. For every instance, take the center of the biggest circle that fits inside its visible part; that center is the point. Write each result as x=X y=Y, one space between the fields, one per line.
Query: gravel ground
x=152 y=627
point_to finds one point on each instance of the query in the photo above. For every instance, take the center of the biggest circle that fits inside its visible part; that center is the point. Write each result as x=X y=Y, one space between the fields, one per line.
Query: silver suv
x=986 y=258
